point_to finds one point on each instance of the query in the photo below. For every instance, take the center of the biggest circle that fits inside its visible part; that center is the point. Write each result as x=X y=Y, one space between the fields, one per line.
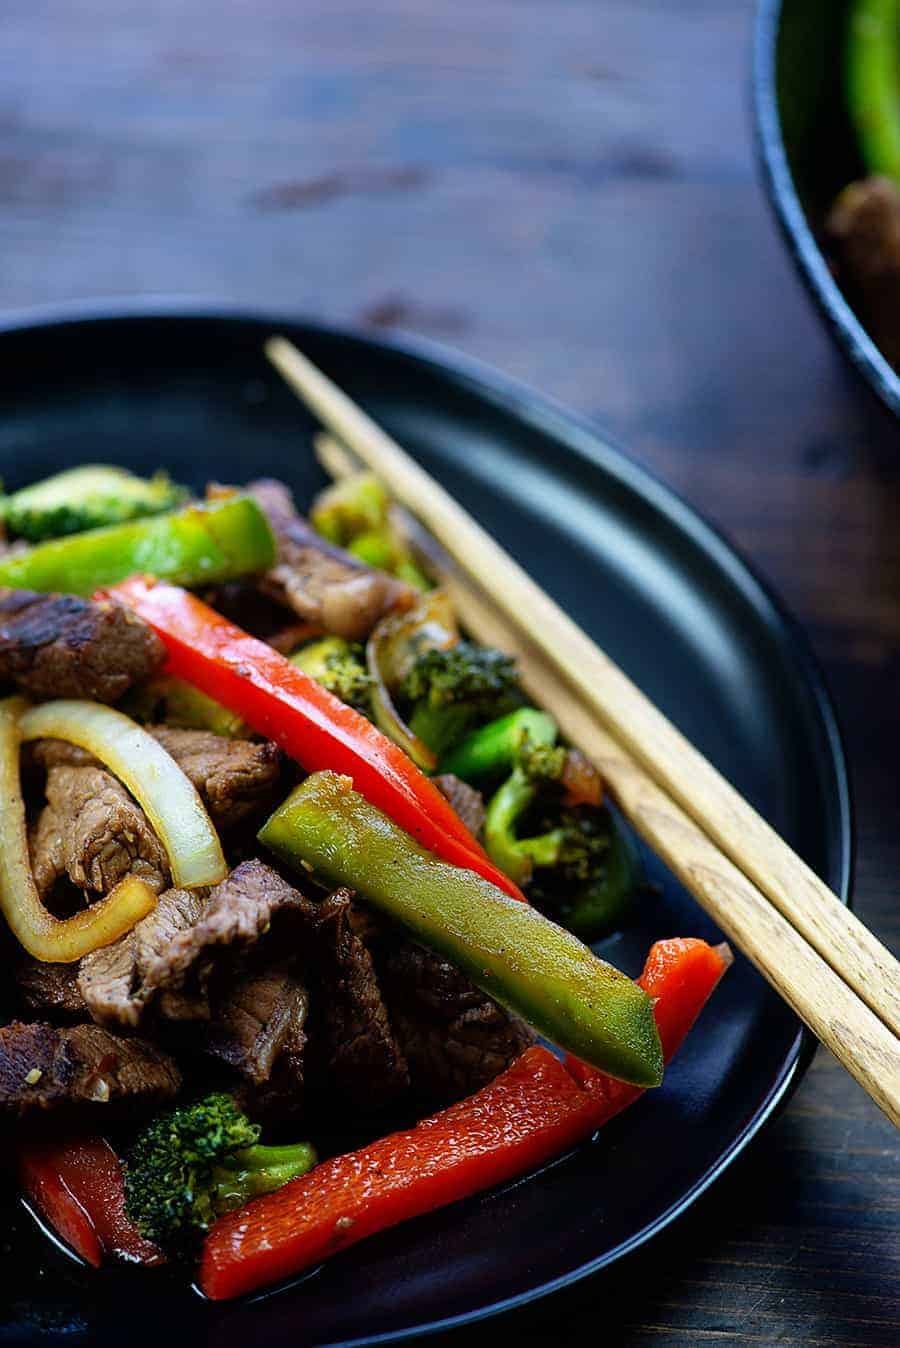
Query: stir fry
x=294 y=877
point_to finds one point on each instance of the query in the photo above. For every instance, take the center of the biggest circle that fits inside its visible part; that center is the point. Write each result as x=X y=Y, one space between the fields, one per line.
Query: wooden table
x=565 y=188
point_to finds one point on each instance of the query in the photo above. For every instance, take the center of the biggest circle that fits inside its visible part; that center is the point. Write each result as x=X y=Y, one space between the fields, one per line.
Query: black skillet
x=660 y=590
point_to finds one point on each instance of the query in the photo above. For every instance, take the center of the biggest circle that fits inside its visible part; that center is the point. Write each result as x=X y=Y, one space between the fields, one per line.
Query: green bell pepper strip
x=872 y=77
x=492 y=749
x=193 y=546
x=508 y=949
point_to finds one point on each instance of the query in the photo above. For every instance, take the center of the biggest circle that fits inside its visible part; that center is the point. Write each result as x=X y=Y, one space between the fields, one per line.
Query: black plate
x=661 y=592
x=808 y=153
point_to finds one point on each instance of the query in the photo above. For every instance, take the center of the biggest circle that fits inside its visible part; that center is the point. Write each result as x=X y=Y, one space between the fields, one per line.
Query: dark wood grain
x=564 y=188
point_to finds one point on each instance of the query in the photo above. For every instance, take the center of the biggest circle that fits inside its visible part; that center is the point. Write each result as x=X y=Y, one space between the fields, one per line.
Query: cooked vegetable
x=193 y=546
x=180 y=704
x=357 y=515
x=507 y=948
x=310 y=724
x=77 y=1185
x=524 y=1117
x=168 y=798
x=340 y=666
x=493 y=748
x=451 y=690
x=873 y=83
x=393 y=648
x=588 y=881
x=197 y=1162
x=54 y=940
x=680 y=975
x=86 y=497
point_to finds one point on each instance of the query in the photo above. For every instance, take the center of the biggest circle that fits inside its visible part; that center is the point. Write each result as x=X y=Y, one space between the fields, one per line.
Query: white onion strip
x=47 y=938
x=157 y=783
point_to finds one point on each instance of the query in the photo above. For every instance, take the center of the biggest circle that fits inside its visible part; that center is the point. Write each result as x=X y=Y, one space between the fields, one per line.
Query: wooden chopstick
x=858 y=1039
x=667 y=757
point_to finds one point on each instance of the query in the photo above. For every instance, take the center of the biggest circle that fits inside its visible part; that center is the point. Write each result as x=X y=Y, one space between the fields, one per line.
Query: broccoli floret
x=340 y=666
x=86 y=497
x=451 y=690
x=592 y=887
x=357 y=514
x=191 y=1165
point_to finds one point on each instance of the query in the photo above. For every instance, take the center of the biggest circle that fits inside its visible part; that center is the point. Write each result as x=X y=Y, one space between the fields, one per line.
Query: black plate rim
x=782 y=193
x=584 y=438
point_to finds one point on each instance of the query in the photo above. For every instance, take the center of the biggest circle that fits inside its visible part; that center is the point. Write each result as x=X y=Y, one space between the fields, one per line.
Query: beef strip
x=466 y=801
x=118 y=981
x=105 y=834
x=61 y=646
x=49 y=989
x=254 y=1020
x=45 y=848
x=319 y=582
x=356 y=1056
x=241 y=602
x=48 y=1067
x=864 y=228
x=453 y=1036
x=233 y=777
x=169 y=958
x=42 y=755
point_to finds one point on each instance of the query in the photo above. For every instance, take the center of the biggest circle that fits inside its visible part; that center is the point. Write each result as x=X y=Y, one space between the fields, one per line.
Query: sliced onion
x=391 y=651
x=166 y=795
x=44 y=936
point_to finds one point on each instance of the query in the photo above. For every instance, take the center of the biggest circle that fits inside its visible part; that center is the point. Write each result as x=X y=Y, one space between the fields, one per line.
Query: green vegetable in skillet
x=87 y=497
x=193 y=546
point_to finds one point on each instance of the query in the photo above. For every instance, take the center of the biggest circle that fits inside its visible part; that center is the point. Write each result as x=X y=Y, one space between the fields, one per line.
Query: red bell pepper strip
x=77 y=1186
x=525 y=1116
x=278 y=700
x=680 y=974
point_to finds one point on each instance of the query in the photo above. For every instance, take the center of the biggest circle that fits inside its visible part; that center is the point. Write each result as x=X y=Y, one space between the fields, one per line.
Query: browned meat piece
x=46 y=851
x=454 y=1037
x=233 y=777
x=46 y=754
x=358 y=1059
x=60 y=646
x=170 y=956
x=105 y=834
x=321 y=583
x=50 y=989
x=47 y=1067
x=258 y=1015
x=466 y=801
x=118 y=981
x=241 y=602
x=864 y=226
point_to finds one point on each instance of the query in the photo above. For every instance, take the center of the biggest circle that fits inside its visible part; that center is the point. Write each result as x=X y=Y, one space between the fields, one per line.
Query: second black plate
x=670 y=602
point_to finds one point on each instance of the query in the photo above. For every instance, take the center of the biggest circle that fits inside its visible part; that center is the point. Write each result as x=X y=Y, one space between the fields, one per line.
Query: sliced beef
x=254 y=1020
x=466 y=801
x=105 y=834
x=864 y=227
x=49 y=989
x=453 y=1036
x=233 y=777
x=61 y=646
x=45 y=848
x=241 y=602
x=357 y=1058
x=321 y=583
x=49 y=1067
x=168 y=960
x=42 y=755
x=119 y=981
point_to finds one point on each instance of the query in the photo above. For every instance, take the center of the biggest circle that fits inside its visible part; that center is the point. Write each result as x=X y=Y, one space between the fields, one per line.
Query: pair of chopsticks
x=830 y=969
